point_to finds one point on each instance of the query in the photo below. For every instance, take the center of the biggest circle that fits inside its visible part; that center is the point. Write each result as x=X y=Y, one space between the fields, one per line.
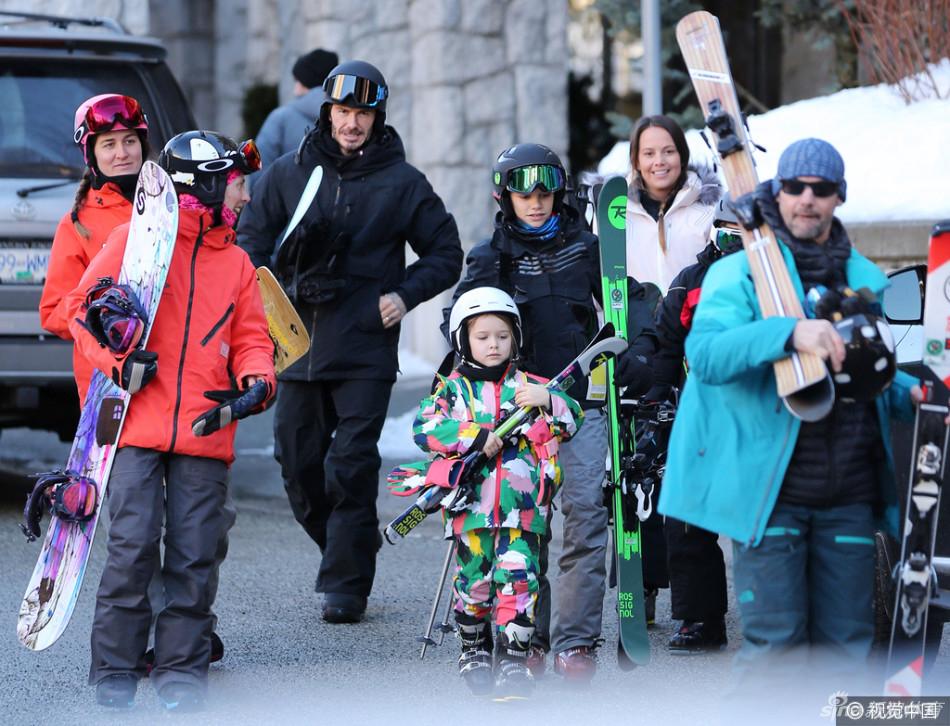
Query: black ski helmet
x=356 y=84
x=869 y=363
x=520 y=156
x=199 y=163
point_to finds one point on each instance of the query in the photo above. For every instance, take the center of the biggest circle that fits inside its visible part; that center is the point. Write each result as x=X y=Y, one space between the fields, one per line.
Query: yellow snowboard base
x=291 y=341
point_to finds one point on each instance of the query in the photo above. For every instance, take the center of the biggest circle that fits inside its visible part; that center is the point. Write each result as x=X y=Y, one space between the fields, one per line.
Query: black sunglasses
x=819 y=188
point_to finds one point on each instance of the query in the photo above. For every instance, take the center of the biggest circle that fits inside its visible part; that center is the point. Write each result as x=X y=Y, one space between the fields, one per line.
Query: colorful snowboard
x=915 y=576
x=57 y=578
x=287 y=331
x=634 y=646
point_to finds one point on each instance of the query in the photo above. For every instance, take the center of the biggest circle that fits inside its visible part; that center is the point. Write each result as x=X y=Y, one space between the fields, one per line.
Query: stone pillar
x=185 y=27
x=230 y=66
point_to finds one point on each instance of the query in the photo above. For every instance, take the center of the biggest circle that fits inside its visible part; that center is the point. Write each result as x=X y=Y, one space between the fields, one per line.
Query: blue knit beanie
x=811 y=157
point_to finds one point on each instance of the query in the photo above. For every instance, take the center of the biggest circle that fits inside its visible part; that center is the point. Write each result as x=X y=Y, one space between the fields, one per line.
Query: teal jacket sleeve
x=729 y=337
x=899 y=404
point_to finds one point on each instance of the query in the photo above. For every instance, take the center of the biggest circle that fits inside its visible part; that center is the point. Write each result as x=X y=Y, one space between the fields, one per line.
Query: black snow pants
x=326 y=442
x=697 y=572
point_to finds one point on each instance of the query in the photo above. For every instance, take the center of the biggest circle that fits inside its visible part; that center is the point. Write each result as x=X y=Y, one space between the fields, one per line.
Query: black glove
x=633 y=372
x=235 y=404
x=139 y=367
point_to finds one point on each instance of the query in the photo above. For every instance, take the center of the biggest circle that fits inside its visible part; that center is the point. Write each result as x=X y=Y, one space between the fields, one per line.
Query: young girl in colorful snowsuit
x=498 y=534
x=209 y=335
x=542 y=254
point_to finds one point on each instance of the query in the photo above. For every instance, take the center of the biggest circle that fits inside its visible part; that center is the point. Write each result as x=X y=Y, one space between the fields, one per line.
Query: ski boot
x=180 y=697
x=699 y=637
x=513 y=678
x=577 y=665
x=475 y=659
x=117 y=691
x=537 y=657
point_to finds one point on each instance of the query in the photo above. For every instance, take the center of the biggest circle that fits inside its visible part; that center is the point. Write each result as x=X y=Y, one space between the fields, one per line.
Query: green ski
x=634 y=647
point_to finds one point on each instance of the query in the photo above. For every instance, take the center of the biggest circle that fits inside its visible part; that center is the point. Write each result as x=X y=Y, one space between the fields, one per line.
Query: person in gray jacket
x=286 y=125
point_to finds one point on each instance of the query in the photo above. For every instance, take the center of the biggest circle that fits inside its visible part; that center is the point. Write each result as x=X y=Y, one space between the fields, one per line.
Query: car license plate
x=24 y=263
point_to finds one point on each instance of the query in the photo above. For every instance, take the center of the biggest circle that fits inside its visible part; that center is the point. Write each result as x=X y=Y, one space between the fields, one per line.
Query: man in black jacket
x=344 y=265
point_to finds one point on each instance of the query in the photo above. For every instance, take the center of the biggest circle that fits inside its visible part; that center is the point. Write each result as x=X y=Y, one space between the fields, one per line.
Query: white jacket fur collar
x=686 y=222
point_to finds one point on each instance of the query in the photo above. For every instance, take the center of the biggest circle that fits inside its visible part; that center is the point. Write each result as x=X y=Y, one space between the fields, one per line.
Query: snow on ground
x=897 y=157
x=414 y=366
x=396 y=440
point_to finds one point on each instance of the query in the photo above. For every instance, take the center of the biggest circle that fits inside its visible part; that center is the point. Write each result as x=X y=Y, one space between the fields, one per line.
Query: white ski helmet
x=481 y=301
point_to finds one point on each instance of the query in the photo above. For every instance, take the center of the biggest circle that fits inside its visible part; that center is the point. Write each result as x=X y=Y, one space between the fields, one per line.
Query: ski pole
x=426 y=638
x=445 y=626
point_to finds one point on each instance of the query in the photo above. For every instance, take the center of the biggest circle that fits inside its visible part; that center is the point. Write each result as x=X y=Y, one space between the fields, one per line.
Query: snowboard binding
x=66 y=494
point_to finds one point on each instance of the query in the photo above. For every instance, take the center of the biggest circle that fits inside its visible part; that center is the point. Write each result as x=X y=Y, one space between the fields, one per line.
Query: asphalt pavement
x=282 y=664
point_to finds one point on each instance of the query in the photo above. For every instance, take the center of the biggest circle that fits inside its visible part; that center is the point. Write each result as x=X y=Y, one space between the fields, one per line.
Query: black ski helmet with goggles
x=356 y=84
x=199 y=163
x=522 y=169
x=726 y=231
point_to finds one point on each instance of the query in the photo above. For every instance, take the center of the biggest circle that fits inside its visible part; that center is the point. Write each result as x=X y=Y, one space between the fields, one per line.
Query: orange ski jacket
x=210 y=332
x=100 y=212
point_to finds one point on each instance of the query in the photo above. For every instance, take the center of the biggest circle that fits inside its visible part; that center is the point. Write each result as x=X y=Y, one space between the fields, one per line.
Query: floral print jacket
x=516 y=487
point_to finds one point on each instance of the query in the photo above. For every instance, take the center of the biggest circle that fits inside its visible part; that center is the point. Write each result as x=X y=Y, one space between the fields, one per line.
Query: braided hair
x=85 y=184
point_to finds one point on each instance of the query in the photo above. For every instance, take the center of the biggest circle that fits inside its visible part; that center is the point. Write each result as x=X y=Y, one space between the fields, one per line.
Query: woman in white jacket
x=670 y=207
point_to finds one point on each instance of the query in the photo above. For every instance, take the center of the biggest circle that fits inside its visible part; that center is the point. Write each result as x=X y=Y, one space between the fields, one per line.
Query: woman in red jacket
x=112 y=133
x=209 y=335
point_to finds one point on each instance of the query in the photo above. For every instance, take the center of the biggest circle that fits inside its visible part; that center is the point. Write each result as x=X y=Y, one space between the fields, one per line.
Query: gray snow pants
x=582 y=565
x=156 y=590
x=188 y=493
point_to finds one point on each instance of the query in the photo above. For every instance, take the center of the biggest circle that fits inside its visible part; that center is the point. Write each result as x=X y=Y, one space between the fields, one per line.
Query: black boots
x=696 y=637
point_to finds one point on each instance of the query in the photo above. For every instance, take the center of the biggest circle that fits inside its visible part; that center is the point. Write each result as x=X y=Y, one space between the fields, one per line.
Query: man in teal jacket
x=800 y=500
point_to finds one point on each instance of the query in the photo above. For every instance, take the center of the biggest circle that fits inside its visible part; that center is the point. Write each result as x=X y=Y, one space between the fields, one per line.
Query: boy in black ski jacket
x=543 y=256
x=697 y=570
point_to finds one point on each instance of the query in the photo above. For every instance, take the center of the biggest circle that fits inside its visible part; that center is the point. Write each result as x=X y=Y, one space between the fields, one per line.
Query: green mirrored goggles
x=525 y=179
x=728 y=240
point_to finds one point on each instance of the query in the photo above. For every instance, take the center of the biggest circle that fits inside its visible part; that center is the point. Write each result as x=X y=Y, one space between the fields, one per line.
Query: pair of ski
x=802 y=382
x=56 y=580
x=914 y=575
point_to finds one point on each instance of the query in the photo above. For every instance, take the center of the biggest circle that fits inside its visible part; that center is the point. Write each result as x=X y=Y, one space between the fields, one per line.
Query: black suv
x=48 y=66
